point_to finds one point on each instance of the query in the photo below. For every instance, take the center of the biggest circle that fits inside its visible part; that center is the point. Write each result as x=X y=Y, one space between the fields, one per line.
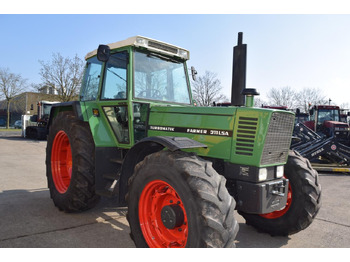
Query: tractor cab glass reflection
x=160 y=78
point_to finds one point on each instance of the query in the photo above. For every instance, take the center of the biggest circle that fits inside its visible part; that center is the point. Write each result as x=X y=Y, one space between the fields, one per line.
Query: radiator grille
x=278 y=138
x=246 y=133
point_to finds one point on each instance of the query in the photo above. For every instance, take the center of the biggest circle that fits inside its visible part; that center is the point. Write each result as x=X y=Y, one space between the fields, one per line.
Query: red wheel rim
x=61 y=162
x=155 y=196
x=282 y=212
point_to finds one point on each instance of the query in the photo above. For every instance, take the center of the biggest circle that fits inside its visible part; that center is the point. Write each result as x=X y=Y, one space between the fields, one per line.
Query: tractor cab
x=135 y=73
x=301 y=117
x=344 y=115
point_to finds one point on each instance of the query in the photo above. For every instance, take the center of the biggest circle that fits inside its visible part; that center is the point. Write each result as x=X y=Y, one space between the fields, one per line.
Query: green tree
x=63 y=75
x=11 y=85
x=284 y=96
x=206 y=89
x=310 y=96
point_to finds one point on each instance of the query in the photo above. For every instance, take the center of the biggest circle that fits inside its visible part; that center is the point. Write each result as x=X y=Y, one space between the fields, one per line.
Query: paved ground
x=28 y=217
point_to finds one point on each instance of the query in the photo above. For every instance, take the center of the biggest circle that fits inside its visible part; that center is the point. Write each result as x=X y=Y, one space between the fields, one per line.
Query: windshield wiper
x=168 y=59
x=116 y=74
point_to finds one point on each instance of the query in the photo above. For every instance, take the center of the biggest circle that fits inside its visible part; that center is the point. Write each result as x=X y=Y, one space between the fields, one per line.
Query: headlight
x=280 y=171
x=262 y=174
x=141 y=42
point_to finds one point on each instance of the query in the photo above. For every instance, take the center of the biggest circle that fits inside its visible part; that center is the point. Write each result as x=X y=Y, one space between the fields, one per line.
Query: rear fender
x=73 y=106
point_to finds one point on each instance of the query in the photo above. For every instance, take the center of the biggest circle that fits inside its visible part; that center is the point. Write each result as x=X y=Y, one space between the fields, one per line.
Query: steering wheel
x=154 y=93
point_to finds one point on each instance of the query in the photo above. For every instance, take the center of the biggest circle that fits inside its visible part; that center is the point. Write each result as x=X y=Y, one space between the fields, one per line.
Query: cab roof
x=148 y=43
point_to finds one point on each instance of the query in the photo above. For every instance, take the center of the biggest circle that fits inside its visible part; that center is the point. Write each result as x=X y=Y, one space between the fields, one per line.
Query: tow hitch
x=263 y=197
x=278 y=189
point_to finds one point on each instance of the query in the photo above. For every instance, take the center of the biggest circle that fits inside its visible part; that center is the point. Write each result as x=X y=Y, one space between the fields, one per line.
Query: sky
x=295 y=50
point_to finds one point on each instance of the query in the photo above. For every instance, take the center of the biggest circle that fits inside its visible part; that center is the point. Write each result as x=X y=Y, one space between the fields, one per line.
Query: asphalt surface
x=28 y=217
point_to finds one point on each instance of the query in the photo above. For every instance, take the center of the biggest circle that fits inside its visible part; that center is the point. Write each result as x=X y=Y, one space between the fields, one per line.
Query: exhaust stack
x=239 y=72
x=240 y=95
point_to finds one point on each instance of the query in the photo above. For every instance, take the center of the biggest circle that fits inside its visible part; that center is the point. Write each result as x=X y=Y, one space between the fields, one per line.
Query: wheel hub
x=172 y=216
x=162 y=216
x=61 y=162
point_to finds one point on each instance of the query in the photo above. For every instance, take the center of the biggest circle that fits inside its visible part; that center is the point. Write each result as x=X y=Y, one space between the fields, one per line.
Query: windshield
x=328 y=115
x=160 y=78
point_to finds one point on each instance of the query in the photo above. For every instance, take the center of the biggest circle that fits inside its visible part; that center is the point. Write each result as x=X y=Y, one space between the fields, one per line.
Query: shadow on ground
x=30 y=219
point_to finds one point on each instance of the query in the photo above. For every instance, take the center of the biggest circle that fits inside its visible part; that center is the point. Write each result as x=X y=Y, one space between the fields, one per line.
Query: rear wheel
x=303 y=201
x=70 y=164
x=176 y=199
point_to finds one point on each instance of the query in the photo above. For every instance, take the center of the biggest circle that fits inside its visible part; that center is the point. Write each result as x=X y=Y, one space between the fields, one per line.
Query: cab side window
x=115 y=79
x=91 y=80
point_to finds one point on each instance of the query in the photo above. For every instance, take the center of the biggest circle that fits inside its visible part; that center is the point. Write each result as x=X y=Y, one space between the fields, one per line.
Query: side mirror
x=103 y=53
x=311 y=112
x=193 y=73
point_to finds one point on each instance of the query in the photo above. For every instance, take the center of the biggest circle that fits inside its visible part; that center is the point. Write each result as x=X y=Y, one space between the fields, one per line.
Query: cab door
x=113 y=98
x=108 y=113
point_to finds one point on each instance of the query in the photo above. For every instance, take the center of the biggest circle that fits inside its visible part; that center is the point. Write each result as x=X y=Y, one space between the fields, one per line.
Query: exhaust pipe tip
x=249 y=94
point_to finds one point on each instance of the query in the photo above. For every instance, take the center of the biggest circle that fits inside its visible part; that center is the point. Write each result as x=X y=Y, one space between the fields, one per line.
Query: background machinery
x=36 y=126
x=324 y=139
x=181 y=170
x=322 y=136
x=326 y=120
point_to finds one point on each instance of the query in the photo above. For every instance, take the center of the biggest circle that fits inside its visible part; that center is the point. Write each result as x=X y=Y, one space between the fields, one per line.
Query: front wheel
x=176 y=199
x=303 y=200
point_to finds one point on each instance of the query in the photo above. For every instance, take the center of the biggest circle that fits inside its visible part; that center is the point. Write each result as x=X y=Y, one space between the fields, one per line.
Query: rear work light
x=162 y=47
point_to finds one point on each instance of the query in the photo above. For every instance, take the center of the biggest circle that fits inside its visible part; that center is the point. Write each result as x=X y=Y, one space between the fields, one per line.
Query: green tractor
x=181 y=170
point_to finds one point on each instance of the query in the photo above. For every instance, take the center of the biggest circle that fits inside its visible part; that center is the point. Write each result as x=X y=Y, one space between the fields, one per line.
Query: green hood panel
x=233 y=134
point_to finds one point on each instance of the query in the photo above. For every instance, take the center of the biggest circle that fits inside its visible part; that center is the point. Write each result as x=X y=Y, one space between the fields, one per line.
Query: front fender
x=146 y=147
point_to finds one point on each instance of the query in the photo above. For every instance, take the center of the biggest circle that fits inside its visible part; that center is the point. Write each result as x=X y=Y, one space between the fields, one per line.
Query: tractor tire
x=31 y=132
x=303 y=201
x=70 y=159
x=41 y=133
x=177 y=199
